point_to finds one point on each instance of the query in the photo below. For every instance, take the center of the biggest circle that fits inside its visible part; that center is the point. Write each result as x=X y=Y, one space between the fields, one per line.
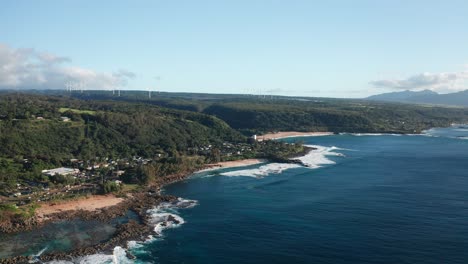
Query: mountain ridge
x=424 y=97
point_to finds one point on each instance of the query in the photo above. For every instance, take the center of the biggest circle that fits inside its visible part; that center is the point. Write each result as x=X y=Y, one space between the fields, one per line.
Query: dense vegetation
x=346 y=116
x=168 y=134
x=174 y=131
x=255 y=114
x=102 y=129
x=40 y=132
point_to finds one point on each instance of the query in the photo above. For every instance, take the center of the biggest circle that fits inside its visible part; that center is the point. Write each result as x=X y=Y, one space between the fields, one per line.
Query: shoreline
x=107 y=207
x=232 y=164
x=291 y=134
x=104 y=208
x=87 y=203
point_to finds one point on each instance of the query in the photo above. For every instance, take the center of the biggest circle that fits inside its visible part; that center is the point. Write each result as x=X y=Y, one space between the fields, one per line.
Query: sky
x=298 y=48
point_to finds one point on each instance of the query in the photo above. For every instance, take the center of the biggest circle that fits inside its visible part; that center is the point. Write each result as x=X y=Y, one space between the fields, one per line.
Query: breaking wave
x=373 y=134
x=456 y=131
x=119 y=256
x=162 y=216
x=165 y=215
x=314 y=159
x=262 y=171
x=319 y=156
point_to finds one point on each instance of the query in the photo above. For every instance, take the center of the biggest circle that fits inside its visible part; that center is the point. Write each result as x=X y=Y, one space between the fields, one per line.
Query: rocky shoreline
x=133 y=230
x=138 y=202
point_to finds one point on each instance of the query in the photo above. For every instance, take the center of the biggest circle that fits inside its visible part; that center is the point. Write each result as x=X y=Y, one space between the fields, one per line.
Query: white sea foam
x=96 y=259
x=372 y=134
x=314 y=159
x=165 y=215
x=35 y=258
x=134 y=244
x=430 y=135
x=319 y=156
x=262 y=171
x=119 y=256
x=42 y=251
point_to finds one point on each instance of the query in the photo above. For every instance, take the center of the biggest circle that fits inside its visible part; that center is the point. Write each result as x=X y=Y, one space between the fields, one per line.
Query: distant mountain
x=424 y=97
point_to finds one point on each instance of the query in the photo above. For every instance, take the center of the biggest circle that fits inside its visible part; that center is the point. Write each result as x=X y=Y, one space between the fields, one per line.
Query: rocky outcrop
x=133 y=230
x=17 y=224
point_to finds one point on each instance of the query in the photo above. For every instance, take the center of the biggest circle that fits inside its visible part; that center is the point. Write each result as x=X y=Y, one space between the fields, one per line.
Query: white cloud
x=442 y=82
x=30 y=69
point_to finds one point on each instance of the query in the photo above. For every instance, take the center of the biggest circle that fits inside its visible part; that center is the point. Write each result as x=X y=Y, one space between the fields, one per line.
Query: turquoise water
x=60 y=236
x=389 y=199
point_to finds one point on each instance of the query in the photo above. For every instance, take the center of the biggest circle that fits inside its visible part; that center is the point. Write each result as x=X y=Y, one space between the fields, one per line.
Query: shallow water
x=60 y=236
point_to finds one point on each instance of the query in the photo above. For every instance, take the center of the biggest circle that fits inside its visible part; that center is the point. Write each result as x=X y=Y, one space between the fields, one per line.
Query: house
x=60 y=171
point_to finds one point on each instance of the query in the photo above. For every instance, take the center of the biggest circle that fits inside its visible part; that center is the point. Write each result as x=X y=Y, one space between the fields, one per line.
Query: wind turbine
x=68 y=86
x=157 y=78
x=80 y=86
x=118 y=86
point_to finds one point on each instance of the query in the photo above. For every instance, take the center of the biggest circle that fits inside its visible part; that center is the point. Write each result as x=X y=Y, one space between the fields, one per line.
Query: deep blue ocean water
x=364 y=199
x=389 y=199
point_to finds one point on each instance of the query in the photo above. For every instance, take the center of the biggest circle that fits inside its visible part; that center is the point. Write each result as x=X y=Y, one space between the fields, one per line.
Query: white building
x=60 y=171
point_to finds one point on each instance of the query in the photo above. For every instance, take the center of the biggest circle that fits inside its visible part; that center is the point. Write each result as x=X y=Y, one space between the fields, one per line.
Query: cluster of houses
x=226 y=149
x=88 y=174
x=87 y=177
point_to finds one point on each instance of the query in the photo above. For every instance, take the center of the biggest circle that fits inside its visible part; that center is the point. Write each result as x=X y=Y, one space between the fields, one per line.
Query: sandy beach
x=89 y=204
x=288 y=134
x=233 y=164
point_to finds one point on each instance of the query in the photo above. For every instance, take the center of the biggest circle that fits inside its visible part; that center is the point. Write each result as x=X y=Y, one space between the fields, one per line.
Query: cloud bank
x=442 y=82
x=31 y=69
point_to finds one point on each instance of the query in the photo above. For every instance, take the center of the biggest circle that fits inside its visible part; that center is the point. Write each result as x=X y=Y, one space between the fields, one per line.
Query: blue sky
x=309 y=48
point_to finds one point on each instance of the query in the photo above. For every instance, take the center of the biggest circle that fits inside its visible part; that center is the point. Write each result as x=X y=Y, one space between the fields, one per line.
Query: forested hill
x=335 y=116
x=257 y=114
x=33 y=126
x=174 y=133
x=106 y=141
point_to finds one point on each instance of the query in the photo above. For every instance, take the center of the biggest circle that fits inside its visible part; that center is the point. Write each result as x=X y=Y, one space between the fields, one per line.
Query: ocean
x=363 y=199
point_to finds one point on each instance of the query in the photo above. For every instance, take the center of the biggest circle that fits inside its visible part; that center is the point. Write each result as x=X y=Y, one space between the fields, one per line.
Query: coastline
x=104 y=208
x=91 y=203
x=290 y=134
x=232 y=164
